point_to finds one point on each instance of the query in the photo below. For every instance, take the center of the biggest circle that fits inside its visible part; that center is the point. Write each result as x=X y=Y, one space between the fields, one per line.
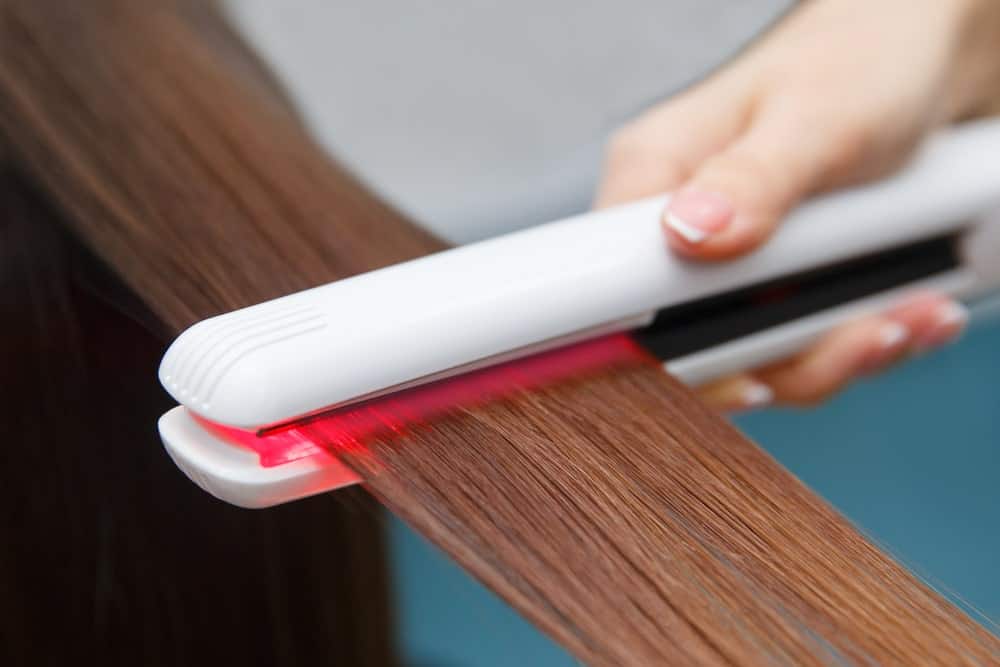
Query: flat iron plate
x=234 y=474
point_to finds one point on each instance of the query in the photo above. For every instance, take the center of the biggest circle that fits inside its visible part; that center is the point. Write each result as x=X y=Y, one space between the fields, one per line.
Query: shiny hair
x=614 y=510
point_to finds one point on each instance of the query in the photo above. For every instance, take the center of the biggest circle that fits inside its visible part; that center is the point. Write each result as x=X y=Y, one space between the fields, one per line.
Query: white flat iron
x=936 y=224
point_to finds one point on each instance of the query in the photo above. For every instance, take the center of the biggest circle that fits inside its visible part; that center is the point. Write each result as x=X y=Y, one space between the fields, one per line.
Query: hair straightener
x=255 y=371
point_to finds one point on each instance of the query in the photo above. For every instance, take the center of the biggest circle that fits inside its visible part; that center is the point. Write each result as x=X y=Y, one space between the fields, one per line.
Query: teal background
x=912 y=457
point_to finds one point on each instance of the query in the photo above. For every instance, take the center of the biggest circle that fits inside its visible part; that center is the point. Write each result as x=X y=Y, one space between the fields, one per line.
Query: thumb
x=735 y=200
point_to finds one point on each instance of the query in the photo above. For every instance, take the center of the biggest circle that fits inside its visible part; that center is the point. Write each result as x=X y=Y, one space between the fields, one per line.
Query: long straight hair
x=614 y=510
x=109 y=556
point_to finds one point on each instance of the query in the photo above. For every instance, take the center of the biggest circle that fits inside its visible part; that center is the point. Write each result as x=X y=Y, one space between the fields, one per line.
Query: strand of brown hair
x=620 y=515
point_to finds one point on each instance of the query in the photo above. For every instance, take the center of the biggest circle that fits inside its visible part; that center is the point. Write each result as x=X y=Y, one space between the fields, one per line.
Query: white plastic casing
x=235 y=475
x=373 y=332
x=601 y=271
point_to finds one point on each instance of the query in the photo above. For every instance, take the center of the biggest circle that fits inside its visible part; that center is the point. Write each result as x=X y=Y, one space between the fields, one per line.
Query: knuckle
x=850 y=148
x=808 y=387
x=633 y=148
x=626 y=143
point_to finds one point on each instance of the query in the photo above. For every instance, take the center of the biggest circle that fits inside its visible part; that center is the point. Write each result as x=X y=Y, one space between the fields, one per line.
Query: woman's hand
x=839 y=93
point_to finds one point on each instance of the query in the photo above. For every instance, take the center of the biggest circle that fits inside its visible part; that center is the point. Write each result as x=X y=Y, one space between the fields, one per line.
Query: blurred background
x=480 y=117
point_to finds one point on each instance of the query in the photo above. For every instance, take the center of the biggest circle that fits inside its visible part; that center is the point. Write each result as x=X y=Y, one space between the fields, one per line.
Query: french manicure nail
x=695 y=215
x=757 y=395
x=892 y=335
x=952 y=314
x=891 y=338
x=949 y=321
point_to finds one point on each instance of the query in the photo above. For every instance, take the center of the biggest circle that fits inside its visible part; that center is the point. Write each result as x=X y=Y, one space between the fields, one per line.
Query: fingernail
x=757 y=395
x=952 y=314
x=949 y=322
x=891 y=338
x=695 y=216
x=892 y=335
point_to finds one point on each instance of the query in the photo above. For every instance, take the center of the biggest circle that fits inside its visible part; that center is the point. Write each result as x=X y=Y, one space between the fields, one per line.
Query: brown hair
x=636 y=527
x=110 y=556
x=614 y=510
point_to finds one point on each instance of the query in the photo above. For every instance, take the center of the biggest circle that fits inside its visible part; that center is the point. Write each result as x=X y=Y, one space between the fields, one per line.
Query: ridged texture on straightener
x=196 y=364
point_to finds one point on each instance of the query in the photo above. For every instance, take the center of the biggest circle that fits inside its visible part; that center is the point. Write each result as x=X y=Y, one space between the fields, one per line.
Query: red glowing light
x=274 y=449
x=395 y=414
